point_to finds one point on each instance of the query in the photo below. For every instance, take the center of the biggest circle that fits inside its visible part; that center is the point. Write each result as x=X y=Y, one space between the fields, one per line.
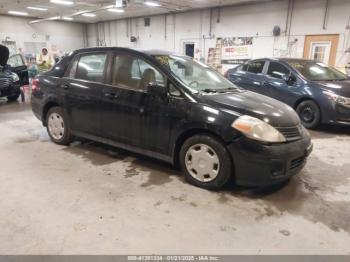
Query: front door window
x=133 y=73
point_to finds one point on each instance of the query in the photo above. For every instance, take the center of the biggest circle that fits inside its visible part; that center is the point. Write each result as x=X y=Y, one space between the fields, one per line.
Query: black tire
x=12 y=98
x=225 y=163
x=309 y=113
x=66 y=138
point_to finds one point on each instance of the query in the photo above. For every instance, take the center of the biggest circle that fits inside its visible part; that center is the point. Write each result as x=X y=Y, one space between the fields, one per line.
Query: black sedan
x=319 y=93
x=13 y=74
x=175 y=109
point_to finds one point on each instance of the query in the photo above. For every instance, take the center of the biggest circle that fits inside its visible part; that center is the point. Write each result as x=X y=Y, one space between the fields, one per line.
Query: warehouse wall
x=61 y=35
x=172 y=31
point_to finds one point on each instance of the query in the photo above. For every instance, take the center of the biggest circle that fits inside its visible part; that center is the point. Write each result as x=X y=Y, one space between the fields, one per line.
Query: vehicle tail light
x=35 y=84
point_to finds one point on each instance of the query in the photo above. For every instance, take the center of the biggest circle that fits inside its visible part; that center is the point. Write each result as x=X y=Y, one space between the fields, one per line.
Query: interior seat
x=148 y=76
x=122 y=77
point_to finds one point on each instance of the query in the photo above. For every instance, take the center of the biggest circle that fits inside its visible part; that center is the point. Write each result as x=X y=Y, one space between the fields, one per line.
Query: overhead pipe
x=290 y=20
x=211 y=22
x=165 y=26
x=325 y=15
x=287 y=20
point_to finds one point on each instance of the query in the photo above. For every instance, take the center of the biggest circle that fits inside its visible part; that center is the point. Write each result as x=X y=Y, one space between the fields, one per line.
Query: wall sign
x=235 y=48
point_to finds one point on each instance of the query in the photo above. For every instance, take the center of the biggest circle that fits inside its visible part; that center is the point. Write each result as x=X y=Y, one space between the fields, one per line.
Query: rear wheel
x=12 y=98
x=309 y=113
x=58 y=127
x=205 y=162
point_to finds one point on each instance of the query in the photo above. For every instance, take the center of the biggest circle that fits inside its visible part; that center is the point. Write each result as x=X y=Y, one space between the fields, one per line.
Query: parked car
x=319 y=93
x=175 y=109
x=13 y=75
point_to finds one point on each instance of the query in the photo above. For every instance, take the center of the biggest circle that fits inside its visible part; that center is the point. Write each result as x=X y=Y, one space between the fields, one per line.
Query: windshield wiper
x=220 y=90
x=210 y=90
x=228 y=89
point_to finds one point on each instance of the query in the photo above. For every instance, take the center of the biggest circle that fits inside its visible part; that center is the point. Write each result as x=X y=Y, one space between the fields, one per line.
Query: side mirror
x=158 y=90
x=289 y=79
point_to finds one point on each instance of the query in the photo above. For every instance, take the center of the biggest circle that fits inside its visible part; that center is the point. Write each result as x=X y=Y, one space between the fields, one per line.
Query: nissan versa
x=319 y=93
x=175 y=109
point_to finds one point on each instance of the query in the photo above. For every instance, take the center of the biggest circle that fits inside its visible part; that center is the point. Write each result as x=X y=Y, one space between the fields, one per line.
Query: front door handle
x=111 y=95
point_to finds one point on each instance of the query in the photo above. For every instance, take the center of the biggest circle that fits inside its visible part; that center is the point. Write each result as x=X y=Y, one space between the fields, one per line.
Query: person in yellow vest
x=44 y=61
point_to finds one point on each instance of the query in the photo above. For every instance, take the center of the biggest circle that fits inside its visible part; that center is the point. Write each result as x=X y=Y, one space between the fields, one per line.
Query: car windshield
x=195 y=75
x=315 y=71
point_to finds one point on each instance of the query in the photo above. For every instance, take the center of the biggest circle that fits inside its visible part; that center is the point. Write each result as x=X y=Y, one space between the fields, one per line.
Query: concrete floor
x=91 y=199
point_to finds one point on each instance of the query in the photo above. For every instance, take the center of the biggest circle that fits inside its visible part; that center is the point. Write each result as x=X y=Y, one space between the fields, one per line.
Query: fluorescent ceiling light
x=118 y=3
x=116 y=10
x=89 y=15
x=37 y=8
x=54 y=18
x=62 y=2
x=153 y=4
x=17 y=13
x=67 y=18
x=80 y=12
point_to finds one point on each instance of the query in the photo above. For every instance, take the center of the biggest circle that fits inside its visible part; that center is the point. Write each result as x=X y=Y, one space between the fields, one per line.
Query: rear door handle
x=65 y=86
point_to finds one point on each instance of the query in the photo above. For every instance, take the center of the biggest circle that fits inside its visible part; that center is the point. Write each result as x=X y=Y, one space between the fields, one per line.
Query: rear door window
x=91 y=67
x=277 y=70
x=256 y=67
x=244 y=67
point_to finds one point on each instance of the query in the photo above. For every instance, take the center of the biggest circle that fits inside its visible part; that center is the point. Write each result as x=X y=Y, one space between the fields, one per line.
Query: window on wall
x=134 y=73
x=91 y=67
x=277 y=70
x=256 y=67
x=147 y=21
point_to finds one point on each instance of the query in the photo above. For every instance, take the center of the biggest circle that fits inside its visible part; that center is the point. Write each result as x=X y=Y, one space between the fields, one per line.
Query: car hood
x=339 y=87
x=267 y=109
x=5 y=73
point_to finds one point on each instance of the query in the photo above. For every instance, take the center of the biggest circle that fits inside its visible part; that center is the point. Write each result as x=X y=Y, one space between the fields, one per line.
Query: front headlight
x=15 y=77
x=257 y=129
x=345 y=101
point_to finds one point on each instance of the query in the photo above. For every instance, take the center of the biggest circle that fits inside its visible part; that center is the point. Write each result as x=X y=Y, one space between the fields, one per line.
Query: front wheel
x=58 y=126
x=205 y=162
x=309 y=113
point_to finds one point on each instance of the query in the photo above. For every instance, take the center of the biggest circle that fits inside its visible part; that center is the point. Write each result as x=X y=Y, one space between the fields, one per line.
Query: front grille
x=5 y=82
x=290 y=133
x=297 y=162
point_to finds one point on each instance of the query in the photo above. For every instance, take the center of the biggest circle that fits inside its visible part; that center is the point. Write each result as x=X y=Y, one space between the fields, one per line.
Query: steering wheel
x=194 y=82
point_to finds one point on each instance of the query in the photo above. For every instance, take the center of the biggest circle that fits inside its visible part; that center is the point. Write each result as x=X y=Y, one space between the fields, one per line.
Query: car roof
x=283 y=59
x=150 y=52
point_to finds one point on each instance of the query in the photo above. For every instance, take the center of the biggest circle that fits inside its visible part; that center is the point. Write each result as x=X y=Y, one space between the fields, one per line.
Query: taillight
x=35 y=84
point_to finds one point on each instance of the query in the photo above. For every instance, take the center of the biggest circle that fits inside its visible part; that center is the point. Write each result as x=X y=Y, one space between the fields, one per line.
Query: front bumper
x=11 y=90
x=341 y=115
x=334 y=113
x=257 y=164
